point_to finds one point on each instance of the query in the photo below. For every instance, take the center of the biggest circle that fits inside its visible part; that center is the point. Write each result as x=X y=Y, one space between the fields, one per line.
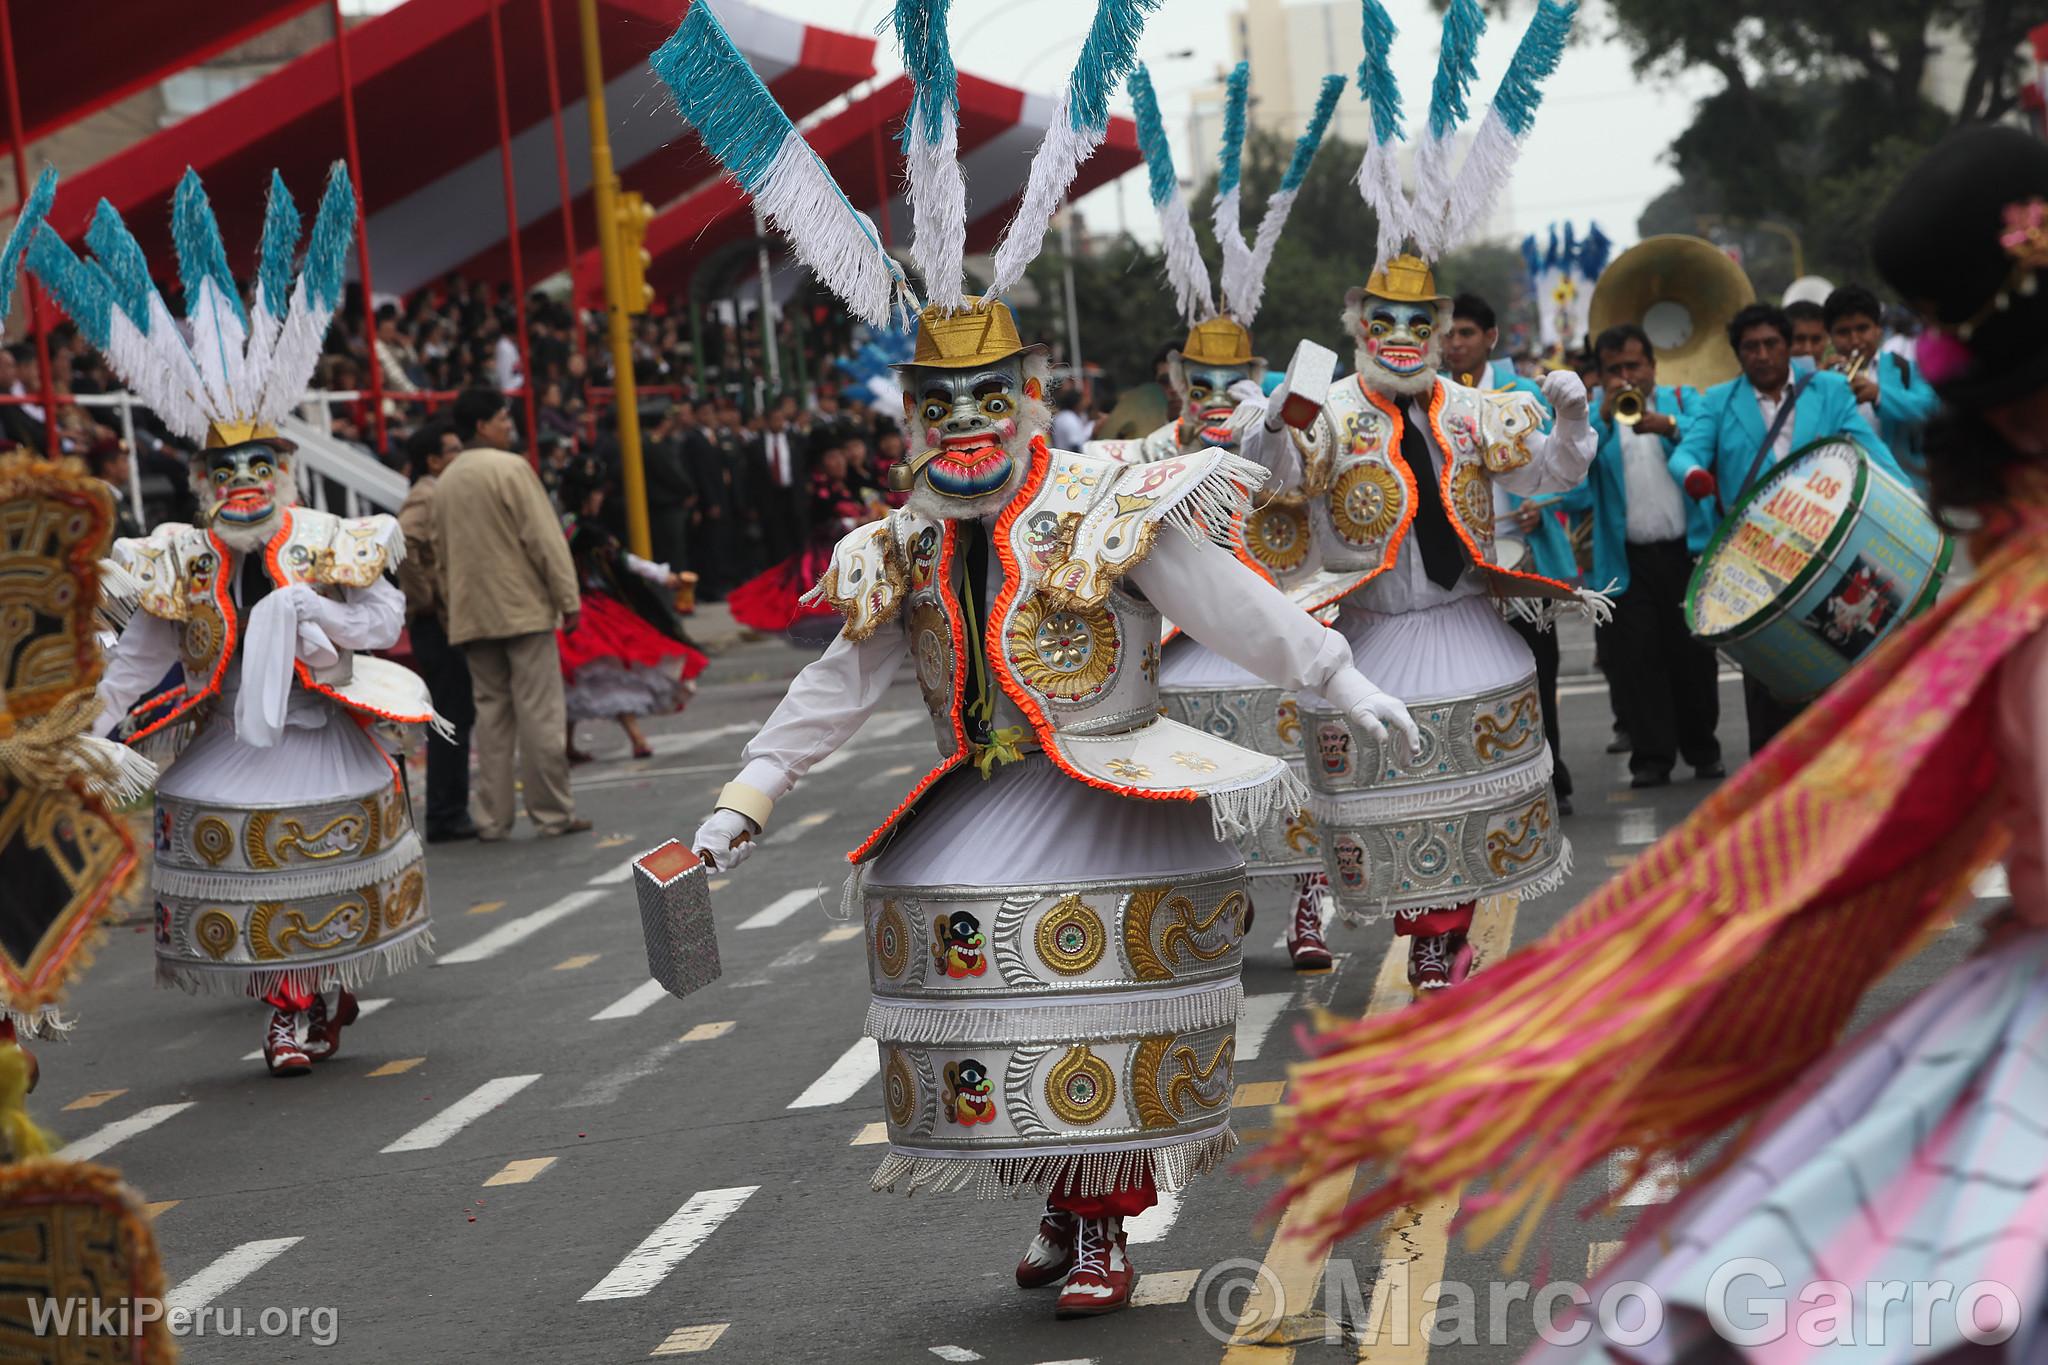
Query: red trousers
x=1125 y=1203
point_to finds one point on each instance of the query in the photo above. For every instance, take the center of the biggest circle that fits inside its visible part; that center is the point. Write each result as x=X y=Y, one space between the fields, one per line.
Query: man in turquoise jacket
x=1468 y=351
x=1891 y=393
x=1646 y=535
x=1747 y=426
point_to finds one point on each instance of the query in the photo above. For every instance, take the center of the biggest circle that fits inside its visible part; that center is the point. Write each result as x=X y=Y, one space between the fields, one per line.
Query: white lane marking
x=623 y=872
x=1638 y=827
x=842 y=933
x=796 y=829
x=636 y=1001
x=462 y=1113
x=665 y=746
x=878 y=728
x=608 y=1087
x=1592 y=686
x=1659 y=1184
x=1156 y=1287
x=856 y=1066
x=364 y=1009
x=1256 y=1020
x=1154 y=1223
x=120 y=1130
x=230 y=1269
x=896 y=773
x=512 y=933
x=1991 y=884
x=781 y=908
x=955 y=1353
x=648 y=1264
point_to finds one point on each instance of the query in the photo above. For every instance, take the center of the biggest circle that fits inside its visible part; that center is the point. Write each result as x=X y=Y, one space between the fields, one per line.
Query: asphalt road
x=524 y=1153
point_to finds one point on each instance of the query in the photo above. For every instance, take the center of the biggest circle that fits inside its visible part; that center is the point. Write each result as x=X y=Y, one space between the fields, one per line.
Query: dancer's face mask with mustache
x=971 y=433
x=1400 y=345
x=245 y=490
x=1208 y=404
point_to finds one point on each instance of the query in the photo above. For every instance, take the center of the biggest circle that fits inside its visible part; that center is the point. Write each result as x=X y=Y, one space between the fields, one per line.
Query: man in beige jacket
x=509 y=581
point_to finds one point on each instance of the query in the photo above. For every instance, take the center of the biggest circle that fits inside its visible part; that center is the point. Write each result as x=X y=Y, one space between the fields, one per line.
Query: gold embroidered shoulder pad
x=347 y=552
x=865 y=582
x=1511 y=417
x=1205 y=493
x=160 y=565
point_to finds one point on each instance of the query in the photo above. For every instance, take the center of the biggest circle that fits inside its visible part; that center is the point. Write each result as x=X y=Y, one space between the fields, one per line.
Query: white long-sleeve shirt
x=1197 y=586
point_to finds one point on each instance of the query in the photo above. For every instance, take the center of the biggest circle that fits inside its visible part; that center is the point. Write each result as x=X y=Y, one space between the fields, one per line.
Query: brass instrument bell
x=1629 y=406
x=1682 y=291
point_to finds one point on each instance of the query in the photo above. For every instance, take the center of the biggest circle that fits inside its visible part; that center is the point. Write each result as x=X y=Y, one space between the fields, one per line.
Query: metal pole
x=768 y=349
x=134 y=458
x=1073 y=315
x=512 y=230
x=605 y=182
x=37 y=321
x=547 y=38
x=355 y=174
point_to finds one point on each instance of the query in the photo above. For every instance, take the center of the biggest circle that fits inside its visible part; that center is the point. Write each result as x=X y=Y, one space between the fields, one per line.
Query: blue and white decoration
x=1184 y=268
x=240 y=365
x=931 y=150
x=1561 y=277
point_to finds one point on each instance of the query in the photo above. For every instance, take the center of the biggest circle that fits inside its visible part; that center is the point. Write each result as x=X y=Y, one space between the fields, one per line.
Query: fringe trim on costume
x=1213 y=507
x=1242 y=812
x=293 y=885
x=132 y=774
x=163 y=746
x=1078 y=1020
x=44 y=1023
x=247 y=979
x=1170 y=1169
x=1542 y=884
x=1375 y=807
x=120 y=595
x=1543 y=612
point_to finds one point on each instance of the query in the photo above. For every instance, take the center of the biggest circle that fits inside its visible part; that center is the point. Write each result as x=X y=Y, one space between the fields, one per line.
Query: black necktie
x=255 y=582
x=971 y=547
x=1443 y=559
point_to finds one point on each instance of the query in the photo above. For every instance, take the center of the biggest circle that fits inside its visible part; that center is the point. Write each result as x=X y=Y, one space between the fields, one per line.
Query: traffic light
x=632 y=217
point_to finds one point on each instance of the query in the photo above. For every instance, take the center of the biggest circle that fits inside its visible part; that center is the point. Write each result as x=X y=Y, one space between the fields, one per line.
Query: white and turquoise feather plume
x=315 y=296
x=739 y=122
x=931 y=150
x=1456 y=67
x=26 y=222
x=1079 y=123
x=1185 y=270
x=1379 y=170
x=1226 y=217
x=1498 y=144
x=1244 y=291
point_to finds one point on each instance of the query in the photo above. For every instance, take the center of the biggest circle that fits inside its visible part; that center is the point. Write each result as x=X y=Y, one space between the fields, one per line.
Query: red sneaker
x=281 y=1050
x=1437 y=961
x=323 y=1028
x=1051 y=1253
x=1102 y=1276
x=1305 y=936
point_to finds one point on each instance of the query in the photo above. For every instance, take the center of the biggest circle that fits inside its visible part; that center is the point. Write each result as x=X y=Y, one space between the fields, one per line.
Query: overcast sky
x=1597 y=151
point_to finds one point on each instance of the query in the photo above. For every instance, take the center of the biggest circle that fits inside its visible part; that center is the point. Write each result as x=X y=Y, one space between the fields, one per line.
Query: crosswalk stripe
x=364 y=1009
x=613 y=876
x=648 y=1264
x=856 y=1066
x=1156 y=1288
x=120 y=1130
x=781 y=908
x=228 y=1270
x=1256 y=1020
x=461 y=1114
x=636 y=1001
x=514 y=932
x=955 y=1353
x=1154 y=1223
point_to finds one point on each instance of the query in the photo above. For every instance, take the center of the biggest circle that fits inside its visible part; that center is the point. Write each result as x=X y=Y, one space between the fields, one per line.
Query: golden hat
x=1406 y=278
x=1219 y=341
x=979 y=332
x=221 y=435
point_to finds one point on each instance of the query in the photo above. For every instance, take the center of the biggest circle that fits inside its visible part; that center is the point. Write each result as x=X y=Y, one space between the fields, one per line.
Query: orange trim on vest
x=231 y=634
x=948 y=538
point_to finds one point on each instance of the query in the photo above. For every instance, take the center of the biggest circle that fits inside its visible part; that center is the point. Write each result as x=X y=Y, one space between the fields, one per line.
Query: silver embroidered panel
x=1445 y=859
x=1015 y=1100
x=1263 y=718
x=1465 y=737
x=215 y=840
x=1285 y=846
x=198 y=935
x=1063 y=947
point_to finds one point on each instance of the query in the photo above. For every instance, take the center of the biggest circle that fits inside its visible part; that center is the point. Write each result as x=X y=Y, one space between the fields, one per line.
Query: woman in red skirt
x=628 y=656
x=768 y=601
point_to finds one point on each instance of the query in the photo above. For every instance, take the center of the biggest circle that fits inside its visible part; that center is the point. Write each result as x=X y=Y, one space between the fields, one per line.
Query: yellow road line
x=1598 y=1254
x=485 y=907
x=612 y=840
x=95 y=1099
x=570 y=964
x=1288 y=1283
x=1257 y=1094
x=162 y=1207
x=519 y=1172
x=685 y=1341
x=842 y=933
x=705 y=1032
x=1156 y=1287
x=399 y=1067
x=870 y=1135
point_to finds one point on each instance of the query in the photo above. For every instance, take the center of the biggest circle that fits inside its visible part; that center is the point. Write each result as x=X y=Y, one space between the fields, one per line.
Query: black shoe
x=448 y=834
x=1564 y=803
x=1662 y=779
x=1620 y=743
x=1710 y=772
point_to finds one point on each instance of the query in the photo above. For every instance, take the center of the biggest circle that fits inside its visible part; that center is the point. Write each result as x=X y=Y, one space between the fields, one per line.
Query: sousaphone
x=1682 y=291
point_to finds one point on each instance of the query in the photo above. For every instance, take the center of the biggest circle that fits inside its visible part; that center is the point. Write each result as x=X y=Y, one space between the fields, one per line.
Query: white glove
x=1566 y=393
x=1372 y=710
x=725 y=839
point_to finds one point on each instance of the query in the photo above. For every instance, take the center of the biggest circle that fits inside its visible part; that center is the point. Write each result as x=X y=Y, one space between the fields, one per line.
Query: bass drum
x=1825 y=557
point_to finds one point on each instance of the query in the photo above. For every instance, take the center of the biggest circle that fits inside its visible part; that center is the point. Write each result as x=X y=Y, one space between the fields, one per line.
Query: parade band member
x=1709 y=982
x=1218 y=379
x=1894 y=398
x=1400 y=471
x=1468 y=351
x=1809 y=330
x=1054 y=914
x=286 y=860
x=1746 y=426
x=1646 y=535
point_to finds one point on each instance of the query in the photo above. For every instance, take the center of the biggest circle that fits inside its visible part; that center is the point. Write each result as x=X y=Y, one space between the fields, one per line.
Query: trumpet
x=1851 y=366
x=1629 y=406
